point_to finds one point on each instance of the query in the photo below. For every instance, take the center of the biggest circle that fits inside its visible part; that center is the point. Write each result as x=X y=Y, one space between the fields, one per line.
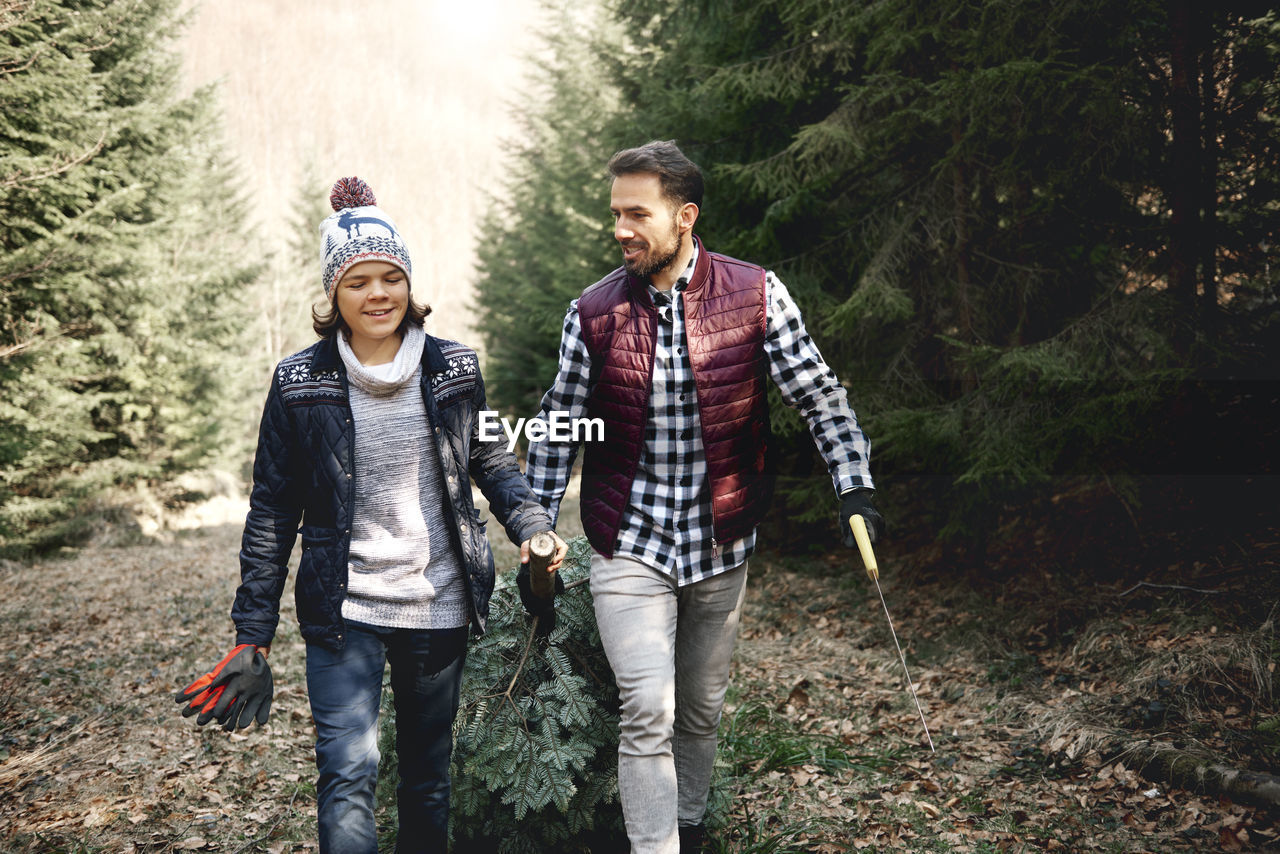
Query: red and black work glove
x=857 y=502
x=543 y=609
x=237 y=690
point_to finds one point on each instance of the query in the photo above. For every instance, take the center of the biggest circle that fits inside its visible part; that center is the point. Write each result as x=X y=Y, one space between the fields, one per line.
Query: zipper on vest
x=715 y=548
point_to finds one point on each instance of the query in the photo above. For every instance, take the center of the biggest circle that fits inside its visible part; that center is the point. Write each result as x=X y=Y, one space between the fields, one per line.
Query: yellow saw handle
x=859 y=526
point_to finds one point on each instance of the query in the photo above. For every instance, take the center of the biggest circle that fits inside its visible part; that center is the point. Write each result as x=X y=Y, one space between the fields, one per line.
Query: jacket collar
x=327 y=358
x=432 y=359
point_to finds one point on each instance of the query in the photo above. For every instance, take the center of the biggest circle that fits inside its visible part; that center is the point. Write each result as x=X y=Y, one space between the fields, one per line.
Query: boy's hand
x=562 y=549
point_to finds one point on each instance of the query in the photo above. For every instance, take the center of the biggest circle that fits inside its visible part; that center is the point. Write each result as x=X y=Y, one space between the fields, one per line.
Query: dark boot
x=692 y=837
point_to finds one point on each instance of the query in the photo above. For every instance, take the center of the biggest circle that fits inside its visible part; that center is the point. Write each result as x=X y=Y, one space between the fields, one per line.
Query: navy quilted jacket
x=303 y=474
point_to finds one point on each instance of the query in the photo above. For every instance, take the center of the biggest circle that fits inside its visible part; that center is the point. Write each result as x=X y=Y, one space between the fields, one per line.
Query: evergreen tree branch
x=17 y=69
x=582 y=662
x=7 y=8
x=15 y=349
x=29 y=271
x=532 y=749
x=91 y=48
x=757 y=61
x=508 y=695
x=17 y=178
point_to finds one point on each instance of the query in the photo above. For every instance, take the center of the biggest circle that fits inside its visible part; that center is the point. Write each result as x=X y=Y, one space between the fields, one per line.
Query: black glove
x=857 y=502
x=237 y=690
x=543 y=609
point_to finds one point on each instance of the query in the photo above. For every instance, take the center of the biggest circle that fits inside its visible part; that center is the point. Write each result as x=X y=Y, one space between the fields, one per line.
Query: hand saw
x=859 y=526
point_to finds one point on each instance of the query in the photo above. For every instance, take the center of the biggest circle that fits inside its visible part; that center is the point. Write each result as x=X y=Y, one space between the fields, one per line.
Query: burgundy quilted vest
x=724 y=316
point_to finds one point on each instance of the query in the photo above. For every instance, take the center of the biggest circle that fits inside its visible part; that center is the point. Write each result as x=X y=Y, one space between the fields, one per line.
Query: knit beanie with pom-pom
x=358 y=230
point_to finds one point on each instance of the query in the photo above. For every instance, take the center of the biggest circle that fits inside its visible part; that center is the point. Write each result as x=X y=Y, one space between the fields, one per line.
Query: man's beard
x=647 y=264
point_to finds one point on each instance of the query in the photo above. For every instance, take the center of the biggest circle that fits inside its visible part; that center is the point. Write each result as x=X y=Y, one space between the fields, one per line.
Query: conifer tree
x=546 y=237
x=293 y=285
x=971 y=202
x=120 y=260
x=966 y=199
x=535 y=755
x=536 y=752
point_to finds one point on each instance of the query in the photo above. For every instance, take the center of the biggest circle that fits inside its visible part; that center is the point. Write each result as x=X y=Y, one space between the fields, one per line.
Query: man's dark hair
x=680 y=177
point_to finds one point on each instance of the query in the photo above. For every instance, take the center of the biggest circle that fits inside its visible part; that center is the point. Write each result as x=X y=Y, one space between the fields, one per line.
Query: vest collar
x=701 y=272
x=701 y=268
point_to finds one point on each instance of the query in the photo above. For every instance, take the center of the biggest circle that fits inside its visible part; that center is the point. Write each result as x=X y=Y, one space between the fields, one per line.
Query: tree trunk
x=1209 y=172
x=962 y=250
x=1185 y=177
x=1201 y=774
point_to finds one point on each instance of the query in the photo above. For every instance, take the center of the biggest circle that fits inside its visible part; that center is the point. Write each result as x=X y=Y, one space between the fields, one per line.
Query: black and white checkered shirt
x=668 y=523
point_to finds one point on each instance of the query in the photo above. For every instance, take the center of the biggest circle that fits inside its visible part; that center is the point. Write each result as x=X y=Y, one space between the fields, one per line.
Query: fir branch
x=582 y=662
x=15 y=349
x=17 y=178
x=562 y=795
x=7 y=8
x=91 y=48
x=758 y=60
x=526 y=765
x=16 y=69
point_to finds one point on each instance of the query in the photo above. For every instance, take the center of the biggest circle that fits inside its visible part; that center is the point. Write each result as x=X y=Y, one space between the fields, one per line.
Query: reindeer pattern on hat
x=348 y=220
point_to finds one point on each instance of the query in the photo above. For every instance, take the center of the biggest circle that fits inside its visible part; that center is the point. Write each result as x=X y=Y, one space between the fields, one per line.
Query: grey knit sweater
x=403 y=570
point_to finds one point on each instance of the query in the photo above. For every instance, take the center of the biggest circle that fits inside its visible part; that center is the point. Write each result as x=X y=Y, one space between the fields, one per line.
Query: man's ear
x=687 y=216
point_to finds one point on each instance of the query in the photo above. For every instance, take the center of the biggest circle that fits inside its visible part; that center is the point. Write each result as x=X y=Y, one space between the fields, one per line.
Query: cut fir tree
x=536 y=738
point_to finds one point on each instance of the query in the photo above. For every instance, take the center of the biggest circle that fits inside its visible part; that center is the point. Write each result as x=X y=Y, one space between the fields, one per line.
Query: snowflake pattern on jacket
x=459 y=381
x=300 y=386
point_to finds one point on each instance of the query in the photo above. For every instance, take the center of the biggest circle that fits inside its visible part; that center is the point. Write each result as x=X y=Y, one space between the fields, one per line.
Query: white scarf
x=402 y=368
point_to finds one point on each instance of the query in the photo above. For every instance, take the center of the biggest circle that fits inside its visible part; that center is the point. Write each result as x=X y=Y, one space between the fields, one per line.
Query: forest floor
x=1047 y=676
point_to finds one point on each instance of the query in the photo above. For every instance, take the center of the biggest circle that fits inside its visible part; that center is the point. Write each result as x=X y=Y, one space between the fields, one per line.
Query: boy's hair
x=680 y=177
x=329 y=322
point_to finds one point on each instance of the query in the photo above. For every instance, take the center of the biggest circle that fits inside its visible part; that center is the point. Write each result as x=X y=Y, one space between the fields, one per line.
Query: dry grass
x=1146 y=683
x=822 y=748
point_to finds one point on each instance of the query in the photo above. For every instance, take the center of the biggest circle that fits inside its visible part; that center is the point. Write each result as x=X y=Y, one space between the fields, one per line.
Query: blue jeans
x=345 y=688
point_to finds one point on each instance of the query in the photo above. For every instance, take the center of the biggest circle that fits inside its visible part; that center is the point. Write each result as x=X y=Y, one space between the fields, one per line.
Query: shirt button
x=463 y=528
x=451 y=478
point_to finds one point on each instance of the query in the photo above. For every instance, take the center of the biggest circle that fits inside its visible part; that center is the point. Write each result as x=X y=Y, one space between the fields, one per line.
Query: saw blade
x=859 y=526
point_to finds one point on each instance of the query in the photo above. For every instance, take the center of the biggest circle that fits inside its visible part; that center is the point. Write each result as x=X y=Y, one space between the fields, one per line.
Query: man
x=672 y=351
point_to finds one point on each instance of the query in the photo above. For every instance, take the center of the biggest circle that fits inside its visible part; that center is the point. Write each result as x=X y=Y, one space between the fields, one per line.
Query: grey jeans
x=670 y=649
